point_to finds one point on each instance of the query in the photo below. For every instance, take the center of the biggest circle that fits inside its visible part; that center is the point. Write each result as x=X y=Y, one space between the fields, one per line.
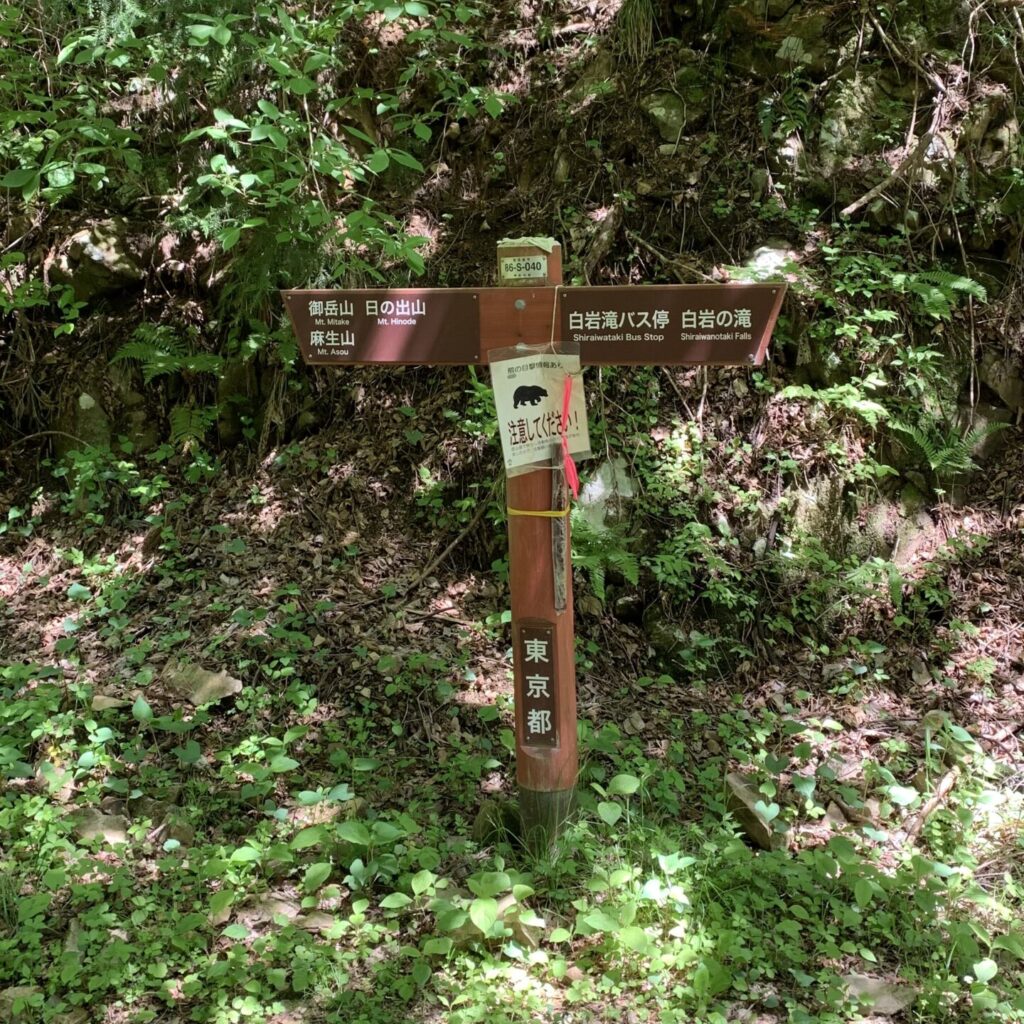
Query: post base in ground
x=542 y=815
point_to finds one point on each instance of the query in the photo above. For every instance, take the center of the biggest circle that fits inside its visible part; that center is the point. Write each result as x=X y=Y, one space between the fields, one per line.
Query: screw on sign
x=715 y=325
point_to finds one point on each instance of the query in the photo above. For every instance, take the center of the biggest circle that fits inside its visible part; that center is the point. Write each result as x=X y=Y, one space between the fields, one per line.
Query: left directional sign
x=386 y=325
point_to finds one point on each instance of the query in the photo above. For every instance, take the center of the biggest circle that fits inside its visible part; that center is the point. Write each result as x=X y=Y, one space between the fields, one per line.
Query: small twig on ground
x=675 y=388
x=441 y=615
x=678 y=266
x=435 y=562
x=905 y=164
x=45 y=433
x=901 y=54
x=915 y=822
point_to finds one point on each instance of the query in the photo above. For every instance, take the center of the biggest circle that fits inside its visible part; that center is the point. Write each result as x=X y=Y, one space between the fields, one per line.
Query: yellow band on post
x=543 y=513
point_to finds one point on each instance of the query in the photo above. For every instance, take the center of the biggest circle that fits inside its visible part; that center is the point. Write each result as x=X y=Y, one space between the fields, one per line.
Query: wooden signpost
x=720 y=325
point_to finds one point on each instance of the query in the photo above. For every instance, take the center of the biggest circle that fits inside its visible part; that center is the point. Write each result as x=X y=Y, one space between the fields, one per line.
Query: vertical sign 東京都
x=536 y=701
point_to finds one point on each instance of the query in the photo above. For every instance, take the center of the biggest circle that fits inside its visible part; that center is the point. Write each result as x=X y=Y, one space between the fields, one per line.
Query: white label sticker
x=528 y=395
x=523 y=268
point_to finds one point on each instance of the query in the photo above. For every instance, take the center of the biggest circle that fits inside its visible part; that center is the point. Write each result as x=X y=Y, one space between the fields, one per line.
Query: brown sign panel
x=386 y=325
x=535 y=701
x=718 y=324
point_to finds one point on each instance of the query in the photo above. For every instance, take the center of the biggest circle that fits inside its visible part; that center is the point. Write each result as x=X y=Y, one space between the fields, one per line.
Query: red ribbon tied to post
x=571 y=476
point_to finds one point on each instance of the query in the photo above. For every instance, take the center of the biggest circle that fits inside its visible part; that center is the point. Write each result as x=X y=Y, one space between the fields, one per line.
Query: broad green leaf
x=60 y=175
x=609 y=812
x=141 y=711
x=868 y=955
x=220 y=901
x=316 y=875
x=415 y=9
x=79 y=593
x=985 y=970
x=635 y=938
x=623 y=785
x=560 y=935
x=67 y=50
x=483 y=912
x=406 y=160
x=229 y=238
x=385 y=832
x=451 y=918
x=805 y=785
x=354 y=832
x=235 y=931
x=279 y=66
x=378 y=161
x=226 y=117
x=600 y=921
x=421 y=972
x=282 y=763
x=767 y=811
x=1012 y=943
x=301 y=86
x=902 y=796
x=310 y=836
x=437 y=947
x=395 y=901
x=189 y=753
x=422 y=881
x=493 y=105
x=222 y=34
x=359 y=134
x=863 y=892
x=245 y=855
x=489 y=883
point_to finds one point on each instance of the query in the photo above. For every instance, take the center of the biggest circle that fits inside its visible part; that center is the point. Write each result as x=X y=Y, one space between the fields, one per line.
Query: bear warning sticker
x=529 y=394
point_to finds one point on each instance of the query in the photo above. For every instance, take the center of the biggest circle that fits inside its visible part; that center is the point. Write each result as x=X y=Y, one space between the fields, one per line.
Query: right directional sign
x=721 y=324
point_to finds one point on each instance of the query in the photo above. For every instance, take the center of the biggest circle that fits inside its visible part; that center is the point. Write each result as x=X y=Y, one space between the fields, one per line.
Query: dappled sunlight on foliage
x=256 y=717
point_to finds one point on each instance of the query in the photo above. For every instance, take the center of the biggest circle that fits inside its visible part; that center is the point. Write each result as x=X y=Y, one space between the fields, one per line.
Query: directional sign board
x=720 y=324
x=726 y=324
x=386 y=325
x=533 y=318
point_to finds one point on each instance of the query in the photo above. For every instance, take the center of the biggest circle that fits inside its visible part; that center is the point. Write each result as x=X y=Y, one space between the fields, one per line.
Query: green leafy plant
x=945 y=451
x=599 y=551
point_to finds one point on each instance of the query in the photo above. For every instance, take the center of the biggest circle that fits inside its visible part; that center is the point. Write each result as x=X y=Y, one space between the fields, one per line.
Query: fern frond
x=627 y=563
x=190 y=424
x=920 y=440
x=953 y=282
x=203 y=362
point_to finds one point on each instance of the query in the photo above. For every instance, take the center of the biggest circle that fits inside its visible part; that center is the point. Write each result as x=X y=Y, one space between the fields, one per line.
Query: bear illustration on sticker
x=528 y=395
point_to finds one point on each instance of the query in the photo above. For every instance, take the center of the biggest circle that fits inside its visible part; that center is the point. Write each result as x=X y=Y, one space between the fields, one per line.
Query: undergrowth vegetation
x=255 y=689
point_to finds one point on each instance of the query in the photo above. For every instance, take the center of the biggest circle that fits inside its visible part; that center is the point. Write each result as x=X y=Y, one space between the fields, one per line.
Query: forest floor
x=256 y=702
x=367 y=686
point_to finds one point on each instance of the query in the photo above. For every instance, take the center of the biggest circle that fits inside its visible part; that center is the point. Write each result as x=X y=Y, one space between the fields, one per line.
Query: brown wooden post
x=546 y=765
x=719 y=325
